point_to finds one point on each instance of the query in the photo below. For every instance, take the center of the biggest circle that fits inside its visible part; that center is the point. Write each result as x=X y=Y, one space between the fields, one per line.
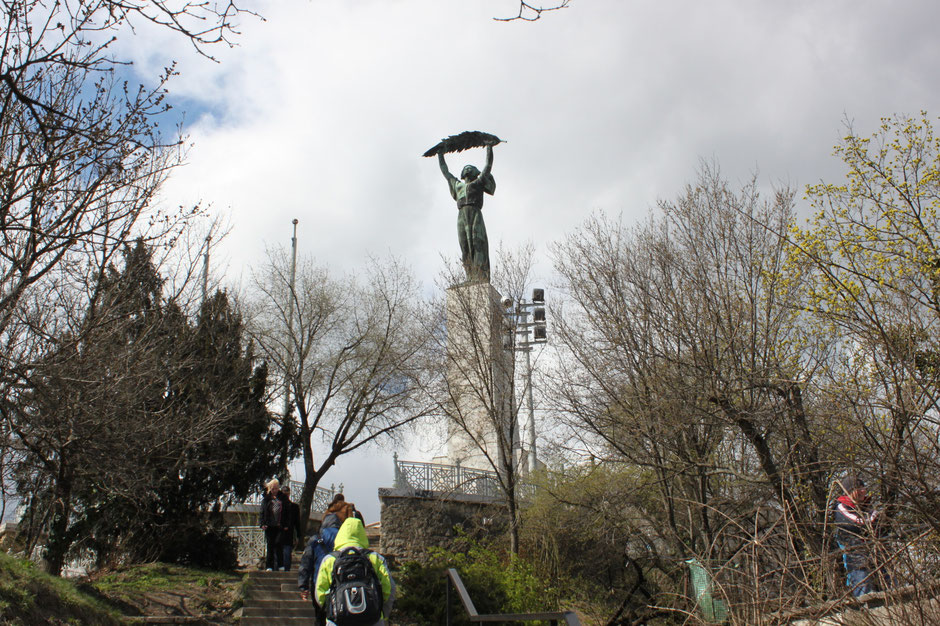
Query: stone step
x=283 y=588
x=279 y=611
x=273 y=594
x=273 y=598
x=287 y=599
x=273 y=584
x=274 y=575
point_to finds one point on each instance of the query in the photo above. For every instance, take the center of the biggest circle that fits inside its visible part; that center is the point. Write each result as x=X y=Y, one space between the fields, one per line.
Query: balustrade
x=446 y=479
x=321 y=496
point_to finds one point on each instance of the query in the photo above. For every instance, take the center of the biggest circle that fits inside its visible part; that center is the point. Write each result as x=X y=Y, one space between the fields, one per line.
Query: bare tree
x=353 y=355
x=81 y=153
x=688 y=355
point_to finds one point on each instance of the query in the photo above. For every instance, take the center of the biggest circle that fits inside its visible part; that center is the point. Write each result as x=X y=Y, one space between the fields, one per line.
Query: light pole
x=526 y=334
x=290 y=336
x=205 y=270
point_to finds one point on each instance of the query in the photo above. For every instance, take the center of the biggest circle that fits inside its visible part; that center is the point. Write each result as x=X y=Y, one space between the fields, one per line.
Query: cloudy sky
x=323 y=109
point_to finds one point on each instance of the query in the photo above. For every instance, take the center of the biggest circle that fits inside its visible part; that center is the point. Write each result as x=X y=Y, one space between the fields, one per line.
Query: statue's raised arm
x=443 y=164
x=488 y=167
x=451 y=179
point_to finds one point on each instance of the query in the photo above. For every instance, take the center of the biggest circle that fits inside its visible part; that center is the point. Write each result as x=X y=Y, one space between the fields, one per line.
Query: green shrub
x=496 y=581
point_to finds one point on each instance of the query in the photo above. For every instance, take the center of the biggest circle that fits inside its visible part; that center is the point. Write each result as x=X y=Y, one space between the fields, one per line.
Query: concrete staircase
x=272 y=598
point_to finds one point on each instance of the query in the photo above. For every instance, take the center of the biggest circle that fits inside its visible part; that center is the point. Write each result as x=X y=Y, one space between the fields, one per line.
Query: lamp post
x=524 y=335
x=290 y=318
x=205 y=270
x=290 y=336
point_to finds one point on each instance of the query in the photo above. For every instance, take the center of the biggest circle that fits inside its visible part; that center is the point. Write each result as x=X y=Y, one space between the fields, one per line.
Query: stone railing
x=446 y=479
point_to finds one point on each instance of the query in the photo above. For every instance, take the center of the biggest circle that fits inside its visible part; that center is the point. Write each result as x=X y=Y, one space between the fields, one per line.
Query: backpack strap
x=363 y=551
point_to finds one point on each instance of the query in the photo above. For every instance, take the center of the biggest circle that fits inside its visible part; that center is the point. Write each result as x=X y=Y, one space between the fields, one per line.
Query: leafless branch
x=530 y=12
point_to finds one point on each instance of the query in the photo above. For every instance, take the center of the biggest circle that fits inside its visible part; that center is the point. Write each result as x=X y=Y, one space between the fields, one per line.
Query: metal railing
x=321 y=496
x=250 y=541
x=442 y=479
x=553 y=618
x=447 y=479
x=250 y=544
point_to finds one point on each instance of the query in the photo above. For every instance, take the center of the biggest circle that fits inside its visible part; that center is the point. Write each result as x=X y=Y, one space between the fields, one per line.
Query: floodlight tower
x=524 y=335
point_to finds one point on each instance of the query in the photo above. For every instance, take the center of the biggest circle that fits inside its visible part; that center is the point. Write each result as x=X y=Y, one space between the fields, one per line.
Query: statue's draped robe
x=471 y=231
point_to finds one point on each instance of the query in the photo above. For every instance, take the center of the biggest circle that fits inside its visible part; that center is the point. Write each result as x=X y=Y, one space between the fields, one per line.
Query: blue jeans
x=286 y=550
x=856 y=568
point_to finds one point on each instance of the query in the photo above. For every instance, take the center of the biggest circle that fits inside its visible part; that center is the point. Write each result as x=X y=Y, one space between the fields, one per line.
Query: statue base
x=479 y=378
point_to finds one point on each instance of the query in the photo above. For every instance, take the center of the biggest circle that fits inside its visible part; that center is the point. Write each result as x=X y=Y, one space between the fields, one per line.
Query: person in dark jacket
x=293 y=523
x=319 y=546
x=274 y=520
x=854 y=521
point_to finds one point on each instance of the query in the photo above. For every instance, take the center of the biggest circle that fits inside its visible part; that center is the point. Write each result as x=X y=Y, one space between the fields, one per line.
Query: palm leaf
x=463 y=141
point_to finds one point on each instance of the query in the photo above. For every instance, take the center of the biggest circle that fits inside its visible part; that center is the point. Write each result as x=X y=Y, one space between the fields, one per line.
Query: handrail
x=553 y=618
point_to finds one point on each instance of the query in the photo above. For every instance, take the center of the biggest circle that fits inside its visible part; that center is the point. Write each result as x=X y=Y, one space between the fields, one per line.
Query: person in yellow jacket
x=353 y=534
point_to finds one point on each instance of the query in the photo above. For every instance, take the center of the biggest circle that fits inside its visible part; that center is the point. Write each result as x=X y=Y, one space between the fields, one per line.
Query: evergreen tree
x=141 y=421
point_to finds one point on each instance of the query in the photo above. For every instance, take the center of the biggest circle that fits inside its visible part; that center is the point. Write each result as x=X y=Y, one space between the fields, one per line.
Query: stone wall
x=413 y=521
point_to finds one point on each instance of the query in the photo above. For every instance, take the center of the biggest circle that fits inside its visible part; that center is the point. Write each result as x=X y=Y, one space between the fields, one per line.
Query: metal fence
x=250 y=539
x=321 y=497
x=446 y=479
x=251 y=544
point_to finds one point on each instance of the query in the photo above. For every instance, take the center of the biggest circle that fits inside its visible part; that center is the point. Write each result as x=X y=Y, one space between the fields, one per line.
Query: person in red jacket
x=854 y=520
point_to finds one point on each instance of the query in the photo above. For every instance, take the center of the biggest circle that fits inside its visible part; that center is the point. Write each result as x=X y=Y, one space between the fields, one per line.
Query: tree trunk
x=59 y=541
x=311 y=480
x=513 y=521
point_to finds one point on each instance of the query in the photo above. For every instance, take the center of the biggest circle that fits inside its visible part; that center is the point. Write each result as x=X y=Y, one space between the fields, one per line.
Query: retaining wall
x=414 y=520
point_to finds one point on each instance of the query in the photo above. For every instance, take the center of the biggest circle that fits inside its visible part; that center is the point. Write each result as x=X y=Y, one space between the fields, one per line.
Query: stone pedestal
x=479 y=376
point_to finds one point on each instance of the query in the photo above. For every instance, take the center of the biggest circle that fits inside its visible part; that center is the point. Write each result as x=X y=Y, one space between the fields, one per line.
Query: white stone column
x=479 y=376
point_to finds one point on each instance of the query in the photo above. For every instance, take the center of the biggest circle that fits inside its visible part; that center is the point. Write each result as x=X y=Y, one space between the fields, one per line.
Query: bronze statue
x=468 y=192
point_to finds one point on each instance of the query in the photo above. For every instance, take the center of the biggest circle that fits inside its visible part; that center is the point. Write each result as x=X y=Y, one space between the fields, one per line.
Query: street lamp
x=522 y=337
x=291 y=296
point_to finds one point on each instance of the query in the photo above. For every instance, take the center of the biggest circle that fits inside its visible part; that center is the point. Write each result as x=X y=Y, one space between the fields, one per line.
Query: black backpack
x=355 y=593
